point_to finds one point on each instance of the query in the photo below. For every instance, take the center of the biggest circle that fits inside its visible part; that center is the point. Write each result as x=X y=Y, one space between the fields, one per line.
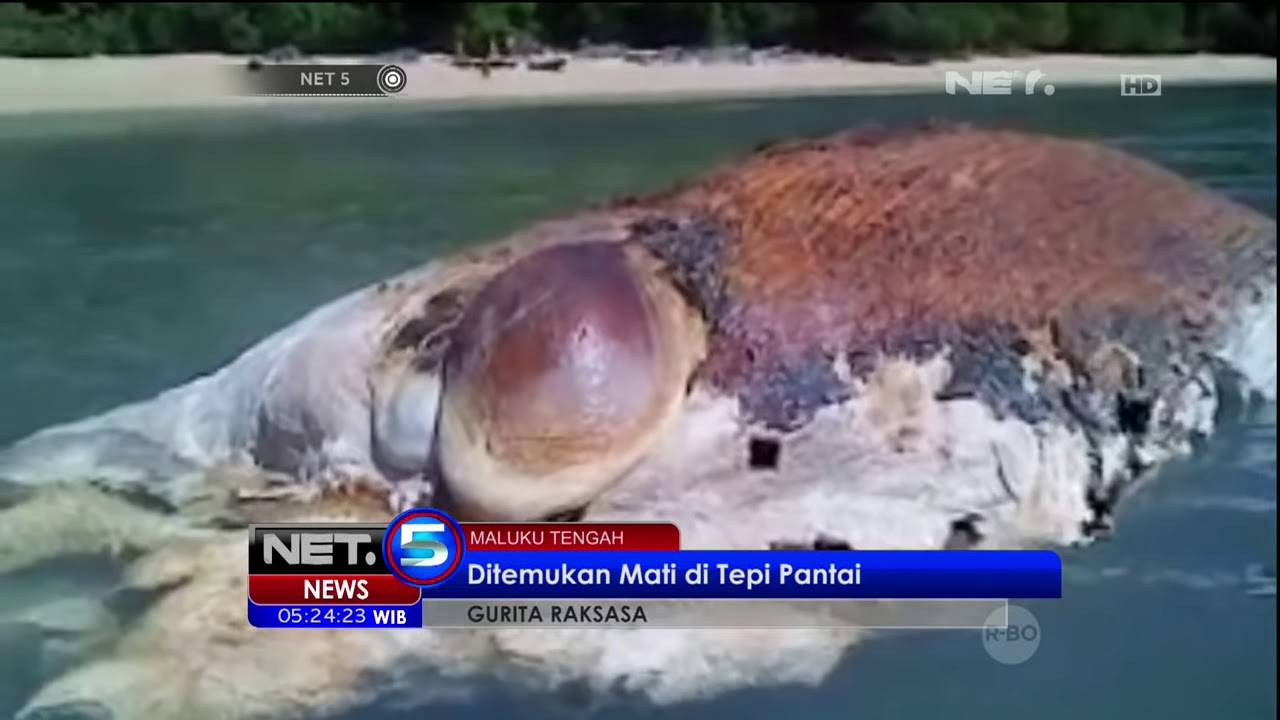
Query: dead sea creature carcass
x=927 y=337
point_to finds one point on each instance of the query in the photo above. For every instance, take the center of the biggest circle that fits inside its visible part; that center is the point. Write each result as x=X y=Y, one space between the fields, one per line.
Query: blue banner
x=723 y=574
x=335 y=616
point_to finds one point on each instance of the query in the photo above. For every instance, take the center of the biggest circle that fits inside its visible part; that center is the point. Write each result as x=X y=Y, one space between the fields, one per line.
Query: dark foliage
x=892 y=31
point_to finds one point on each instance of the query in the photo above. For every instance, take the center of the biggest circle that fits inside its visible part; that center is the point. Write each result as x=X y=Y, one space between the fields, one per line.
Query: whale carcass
x=928 y=337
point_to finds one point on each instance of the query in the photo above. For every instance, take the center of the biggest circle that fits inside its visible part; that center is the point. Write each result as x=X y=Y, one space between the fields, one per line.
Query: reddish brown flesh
x=909 y=240
x=992 y=244
x=559 y=349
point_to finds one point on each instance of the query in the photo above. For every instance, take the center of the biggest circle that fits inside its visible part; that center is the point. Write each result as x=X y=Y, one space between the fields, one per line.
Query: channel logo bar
x=364 y=563
x=332 y=80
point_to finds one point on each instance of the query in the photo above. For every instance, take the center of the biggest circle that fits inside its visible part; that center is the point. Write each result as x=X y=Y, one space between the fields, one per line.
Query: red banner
x=571 y=536
x=331 y=590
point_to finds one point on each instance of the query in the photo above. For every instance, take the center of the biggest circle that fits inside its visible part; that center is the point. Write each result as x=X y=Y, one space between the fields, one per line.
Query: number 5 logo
x=409 y=532
x=423 y=547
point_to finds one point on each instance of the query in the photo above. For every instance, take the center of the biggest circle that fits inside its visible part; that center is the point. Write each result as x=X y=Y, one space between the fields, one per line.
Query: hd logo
x=423 y=547
x=1140 y=85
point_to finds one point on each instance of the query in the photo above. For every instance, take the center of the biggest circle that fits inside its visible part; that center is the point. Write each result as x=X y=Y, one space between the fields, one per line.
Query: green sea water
x=137 y=251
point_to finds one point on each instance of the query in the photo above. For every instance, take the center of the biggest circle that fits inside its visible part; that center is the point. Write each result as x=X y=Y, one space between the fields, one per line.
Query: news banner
x=424 y=569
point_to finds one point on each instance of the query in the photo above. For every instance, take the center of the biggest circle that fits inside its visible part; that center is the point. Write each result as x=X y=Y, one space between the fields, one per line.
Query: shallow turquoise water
x=139 y=251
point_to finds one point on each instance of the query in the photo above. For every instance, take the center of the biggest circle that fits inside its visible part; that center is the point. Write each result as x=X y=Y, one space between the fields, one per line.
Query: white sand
x=189 y=81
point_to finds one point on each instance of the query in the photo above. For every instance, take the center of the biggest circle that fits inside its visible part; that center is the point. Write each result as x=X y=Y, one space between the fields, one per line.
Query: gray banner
x=331 y=80
x=673 y=614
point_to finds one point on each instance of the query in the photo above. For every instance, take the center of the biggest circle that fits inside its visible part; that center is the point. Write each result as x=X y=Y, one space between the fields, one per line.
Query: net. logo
x=997 y=82
x=423 y=547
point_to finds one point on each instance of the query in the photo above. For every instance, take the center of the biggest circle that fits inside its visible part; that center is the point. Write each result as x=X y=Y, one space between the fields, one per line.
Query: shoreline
x=99 y=84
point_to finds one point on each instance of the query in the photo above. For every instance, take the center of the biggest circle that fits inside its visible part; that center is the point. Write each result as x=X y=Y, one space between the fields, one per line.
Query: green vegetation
x=880 y=30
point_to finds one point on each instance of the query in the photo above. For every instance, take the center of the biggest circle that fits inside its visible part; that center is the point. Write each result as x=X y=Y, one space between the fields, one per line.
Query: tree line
x=886 y=31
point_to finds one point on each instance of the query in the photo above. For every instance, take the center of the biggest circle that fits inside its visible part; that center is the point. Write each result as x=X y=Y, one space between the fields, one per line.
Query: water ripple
x=1255 y=579
x=1232 y=503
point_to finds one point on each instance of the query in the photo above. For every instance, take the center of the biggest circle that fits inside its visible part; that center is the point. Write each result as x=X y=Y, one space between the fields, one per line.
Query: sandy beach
x=214 y=81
